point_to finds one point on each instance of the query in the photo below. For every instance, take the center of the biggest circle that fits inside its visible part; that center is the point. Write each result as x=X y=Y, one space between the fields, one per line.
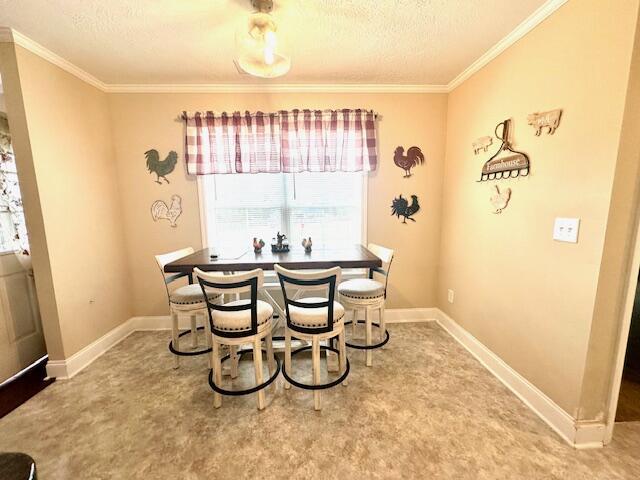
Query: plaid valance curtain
x=286 y=141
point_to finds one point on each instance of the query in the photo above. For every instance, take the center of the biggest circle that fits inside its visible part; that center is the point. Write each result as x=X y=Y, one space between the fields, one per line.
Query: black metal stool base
x=188 y=354
x=322 y=386
x=368 y=347
x=247 y=391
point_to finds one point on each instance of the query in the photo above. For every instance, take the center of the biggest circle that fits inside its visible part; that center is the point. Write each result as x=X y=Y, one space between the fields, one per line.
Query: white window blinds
x=327 y=207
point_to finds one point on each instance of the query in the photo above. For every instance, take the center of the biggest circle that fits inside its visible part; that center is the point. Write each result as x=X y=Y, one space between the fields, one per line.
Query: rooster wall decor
x=499 y=199
x=161 y=167
x=160 y=210
x=400 y=208
x=406 y=162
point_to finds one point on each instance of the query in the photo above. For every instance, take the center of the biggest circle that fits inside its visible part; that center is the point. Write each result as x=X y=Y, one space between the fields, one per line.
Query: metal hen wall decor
x=506 y=162
x=161 y=167
x=400 y=207
x=500 y=199
x=549 y=120
x=160 y=210
x=406 y=162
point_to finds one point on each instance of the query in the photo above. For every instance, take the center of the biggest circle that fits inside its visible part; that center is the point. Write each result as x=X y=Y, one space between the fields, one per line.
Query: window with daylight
x=327 y=207
x=13 y=230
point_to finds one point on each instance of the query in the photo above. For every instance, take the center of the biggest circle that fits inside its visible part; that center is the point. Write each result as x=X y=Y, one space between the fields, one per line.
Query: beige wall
x=548 y=309
x=144 y=121
x=528 y=298
x=69 y=135
x=31 y=200
x=616 y=268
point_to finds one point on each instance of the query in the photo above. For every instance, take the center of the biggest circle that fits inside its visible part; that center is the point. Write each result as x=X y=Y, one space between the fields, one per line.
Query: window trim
x=203 y=218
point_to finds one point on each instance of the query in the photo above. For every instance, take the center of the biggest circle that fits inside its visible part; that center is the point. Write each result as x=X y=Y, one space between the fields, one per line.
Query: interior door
x=21 y=338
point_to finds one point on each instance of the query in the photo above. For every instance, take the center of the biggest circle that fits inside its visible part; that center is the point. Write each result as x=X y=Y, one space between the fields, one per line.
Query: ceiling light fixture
x=259 y=48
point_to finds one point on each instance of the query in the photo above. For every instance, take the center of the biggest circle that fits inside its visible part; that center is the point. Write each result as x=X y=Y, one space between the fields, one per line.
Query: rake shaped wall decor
x=506 y=162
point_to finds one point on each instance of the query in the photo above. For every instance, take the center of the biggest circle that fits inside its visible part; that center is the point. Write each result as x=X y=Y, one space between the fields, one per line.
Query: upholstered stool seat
x=314 y=317
x=239 y=320
x=313 y=320
x=236 y=324
x=190 y=295
x=362 y=288
x=185 y=300
x=369 y=295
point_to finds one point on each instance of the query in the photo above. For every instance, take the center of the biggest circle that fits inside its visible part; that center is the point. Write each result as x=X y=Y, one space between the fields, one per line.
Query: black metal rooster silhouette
x=406 y=162
x=400 y=208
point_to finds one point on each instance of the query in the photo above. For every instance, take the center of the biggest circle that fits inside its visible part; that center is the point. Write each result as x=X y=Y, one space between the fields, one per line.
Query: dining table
x=352 y=256
x=349 y=256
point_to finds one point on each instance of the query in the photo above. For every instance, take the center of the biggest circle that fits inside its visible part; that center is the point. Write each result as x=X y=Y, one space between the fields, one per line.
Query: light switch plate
x=566 y=229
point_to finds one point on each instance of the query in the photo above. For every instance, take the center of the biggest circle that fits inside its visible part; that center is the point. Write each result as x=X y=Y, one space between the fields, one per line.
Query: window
x=13 y=231
x=328 y=207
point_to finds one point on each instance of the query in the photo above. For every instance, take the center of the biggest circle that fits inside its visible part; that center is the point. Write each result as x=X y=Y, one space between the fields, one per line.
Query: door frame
x=625 y=325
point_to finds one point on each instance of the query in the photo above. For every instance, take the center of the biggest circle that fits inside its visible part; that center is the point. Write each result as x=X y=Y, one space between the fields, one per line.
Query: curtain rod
x=185 y=115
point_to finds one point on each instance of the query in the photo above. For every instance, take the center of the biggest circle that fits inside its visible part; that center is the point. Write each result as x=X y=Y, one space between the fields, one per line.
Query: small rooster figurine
x=500 y=200
x=160 y=211
x=406 y=162
x=400 y=208
x=161 y=167
x=257 y=245
x=307 y=243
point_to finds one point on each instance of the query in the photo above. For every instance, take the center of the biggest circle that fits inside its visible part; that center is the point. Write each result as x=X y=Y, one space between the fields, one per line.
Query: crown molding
x=6 y=35
x=520 y=31
x=13 y=36
x=276 y=88
x=10 y=35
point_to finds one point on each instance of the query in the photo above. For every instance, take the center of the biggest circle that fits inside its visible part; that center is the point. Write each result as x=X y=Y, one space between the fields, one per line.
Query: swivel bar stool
x=237 y=323
x=185 y=300
x=369 y=295
x=313 y=319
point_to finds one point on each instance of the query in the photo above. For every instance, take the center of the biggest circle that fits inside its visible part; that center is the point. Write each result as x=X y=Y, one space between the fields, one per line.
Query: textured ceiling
x=331 y=41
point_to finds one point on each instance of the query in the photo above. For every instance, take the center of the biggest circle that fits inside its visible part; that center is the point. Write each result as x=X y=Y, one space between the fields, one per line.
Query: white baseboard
x=578 y=435
x=65 y=369
x=410 y=315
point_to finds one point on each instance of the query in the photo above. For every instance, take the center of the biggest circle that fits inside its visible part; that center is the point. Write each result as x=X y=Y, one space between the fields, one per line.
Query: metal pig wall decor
x=161 y=167
x=482 y=143
x=549 y=120
x=160 y=210
x=506 y=162
x=406 y=162
x=499 y=199
x=400 y=207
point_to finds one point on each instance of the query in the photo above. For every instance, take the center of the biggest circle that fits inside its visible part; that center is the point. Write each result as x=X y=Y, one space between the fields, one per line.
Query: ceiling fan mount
x=262 y=6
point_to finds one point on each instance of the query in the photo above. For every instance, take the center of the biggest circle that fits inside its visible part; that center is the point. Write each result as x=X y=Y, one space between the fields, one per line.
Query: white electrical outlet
x=566 y=229
x=450 y=295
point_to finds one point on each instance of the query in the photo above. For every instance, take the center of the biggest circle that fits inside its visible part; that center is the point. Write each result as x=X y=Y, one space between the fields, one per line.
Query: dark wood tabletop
x=350 y=256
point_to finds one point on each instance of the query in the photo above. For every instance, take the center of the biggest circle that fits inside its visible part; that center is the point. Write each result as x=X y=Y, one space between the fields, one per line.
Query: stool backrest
x=386 y=255
x=306 y=281
x=166 y=258
x=217 y=282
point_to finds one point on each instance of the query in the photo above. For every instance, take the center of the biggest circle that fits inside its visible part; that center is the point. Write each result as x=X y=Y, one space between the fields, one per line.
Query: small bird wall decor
x=257 y=245
x=400 y=207
x=499 y=199
x=161 y=167
x=406 y=162
x=307 y=244
x=160 y=210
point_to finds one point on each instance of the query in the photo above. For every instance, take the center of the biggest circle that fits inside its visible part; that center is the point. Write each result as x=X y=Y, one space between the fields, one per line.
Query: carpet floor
x=426 y=409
